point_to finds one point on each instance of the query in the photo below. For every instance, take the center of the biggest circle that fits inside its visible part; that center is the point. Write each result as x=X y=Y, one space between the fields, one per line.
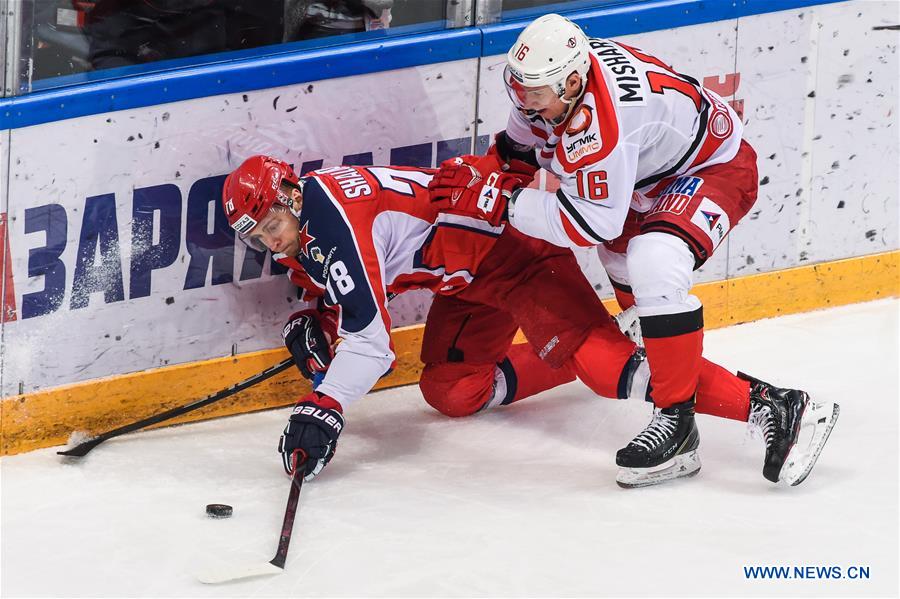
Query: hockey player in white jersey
x=654 y=173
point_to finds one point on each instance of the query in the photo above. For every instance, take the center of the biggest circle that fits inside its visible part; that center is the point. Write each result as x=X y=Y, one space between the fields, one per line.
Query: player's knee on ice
x=457 y=389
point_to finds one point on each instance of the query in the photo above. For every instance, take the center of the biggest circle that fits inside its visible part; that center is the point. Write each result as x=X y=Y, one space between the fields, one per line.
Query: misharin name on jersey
x=619 y=65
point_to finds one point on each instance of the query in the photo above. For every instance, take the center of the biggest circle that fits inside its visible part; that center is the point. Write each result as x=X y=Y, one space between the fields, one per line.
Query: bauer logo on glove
x=323 y=415
x=315 y=424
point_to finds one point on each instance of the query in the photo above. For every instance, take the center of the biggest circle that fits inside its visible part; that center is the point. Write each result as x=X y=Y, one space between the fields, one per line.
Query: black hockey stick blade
x=276 y=564
x=82 y=449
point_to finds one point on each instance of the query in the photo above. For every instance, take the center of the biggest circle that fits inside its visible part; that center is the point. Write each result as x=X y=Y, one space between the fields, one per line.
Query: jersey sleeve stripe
x=538 y=132
x=711 y=143
x=607 y=122
x=573 y=233
x=576 y=218
x=468 y=223
x=701 y=132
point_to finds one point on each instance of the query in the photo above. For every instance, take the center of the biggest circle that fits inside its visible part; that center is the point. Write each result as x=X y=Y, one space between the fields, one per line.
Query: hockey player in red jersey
x=654 y=172
x=353 y=236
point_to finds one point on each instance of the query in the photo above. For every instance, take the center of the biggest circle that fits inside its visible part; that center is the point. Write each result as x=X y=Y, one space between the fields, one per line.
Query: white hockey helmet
x=546 y=53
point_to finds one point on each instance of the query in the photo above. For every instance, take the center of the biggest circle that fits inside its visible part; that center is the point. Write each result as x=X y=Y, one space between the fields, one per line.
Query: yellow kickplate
x=46 y=418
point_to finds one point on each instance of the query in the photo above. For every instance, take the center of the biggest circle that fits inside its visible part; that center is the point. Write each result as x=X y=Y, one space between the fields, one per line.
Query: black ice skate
x=666 y=449
x=793 y=427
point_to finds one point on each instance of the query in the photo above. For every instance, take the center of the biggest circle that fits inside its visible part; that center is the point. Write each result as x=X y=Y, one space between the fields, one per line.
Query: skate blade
x=815 y=427
x=681 y=466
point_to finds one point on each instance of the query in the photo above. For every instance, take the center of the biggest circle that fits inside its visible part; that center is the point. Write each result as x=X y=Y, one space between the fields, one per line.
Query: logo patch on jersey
x=677 y=195
x=582 y=137
x=582 y=146
x=327 y=263
x=712 y=220
x=316 y=253
x=305 y=239
x=720 y=125
x=581 y=120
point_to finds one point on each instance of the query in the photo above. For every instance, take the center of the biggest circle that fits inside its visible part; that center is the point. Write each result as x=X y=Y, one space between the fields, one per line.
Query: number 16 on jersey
x=592 y=185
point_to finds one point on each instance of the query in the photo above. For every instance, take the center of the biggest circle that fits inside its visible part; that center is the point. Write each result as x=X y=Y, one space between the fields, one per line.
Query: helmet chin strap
x=296 y=212
x=290 y=206
x=570 y=104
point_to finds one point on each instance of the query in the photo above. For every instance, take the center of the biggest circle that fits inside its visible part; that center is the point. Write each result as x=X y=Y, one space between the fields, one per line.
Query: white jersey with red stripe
x=637 y=123
x=367 y=233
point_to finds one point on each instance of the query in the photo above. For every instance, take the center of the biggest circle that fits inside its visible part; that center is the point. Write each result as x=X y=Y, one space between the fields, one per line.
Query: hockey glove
x=314 y=428
x=515 y=159
x=310 y=335
x=473 y=186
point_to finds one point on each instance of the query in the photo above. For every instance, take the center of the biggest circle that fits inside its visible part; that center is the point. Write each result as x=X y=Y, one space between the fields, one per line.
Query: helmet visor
x=253 y=241
x=529 y=100
x=272 y=231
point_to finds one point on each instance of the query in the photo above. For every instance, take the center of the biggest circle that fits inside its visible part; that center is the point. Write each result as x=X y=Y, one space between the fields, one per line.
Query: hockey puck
x=218 y=510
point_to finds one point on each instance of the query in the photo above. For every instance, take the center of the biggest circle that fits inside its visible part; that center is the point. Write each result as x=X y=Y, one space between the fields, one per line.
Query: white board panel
x=112 y=223
x=853 y=204
x=773 y=58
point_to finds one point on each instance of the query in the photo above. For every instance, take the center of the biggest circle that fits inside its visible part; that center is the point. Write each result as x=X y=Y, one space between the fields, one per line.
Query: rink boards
x=124 y=291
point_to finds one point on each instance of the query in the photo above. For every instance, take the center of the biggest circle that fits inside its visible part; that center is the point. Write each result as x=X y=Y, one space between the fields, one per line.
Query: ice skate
x=794 y=428
x=665 y=450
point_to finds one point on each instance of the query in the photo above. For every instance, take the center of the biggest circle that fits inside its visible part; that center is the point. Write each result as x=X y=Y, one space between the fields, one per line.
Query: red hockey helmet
x=253 y=188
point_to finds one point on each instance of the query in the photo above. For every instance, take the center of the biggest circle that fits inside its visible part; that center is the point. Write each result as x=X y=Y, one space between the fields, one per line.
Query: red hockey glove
x=473 y=186
x=310 y=335
x=314 y=428
x=514 y=159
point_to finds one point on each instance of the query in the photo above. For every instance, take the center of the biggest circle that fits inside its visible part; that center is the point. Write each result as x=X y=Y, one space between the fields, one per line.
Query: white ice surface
x=520 y=501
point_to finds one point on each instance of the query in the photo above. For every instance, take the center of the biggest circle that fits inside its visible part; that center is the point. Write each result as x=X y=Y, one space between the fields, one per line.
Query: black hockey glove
x=314 y=428
x=309 y=336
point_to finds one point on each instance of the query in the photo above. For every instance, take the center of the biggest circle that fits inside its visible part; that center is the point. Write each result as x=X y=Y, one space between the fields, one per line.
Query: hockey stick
x=84 y=447
x=276 y=564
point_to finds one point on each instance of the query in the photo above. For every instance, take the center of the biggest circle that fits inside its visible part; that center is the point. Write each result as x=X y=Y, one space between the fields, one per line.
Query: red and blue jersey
x=367 y=233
